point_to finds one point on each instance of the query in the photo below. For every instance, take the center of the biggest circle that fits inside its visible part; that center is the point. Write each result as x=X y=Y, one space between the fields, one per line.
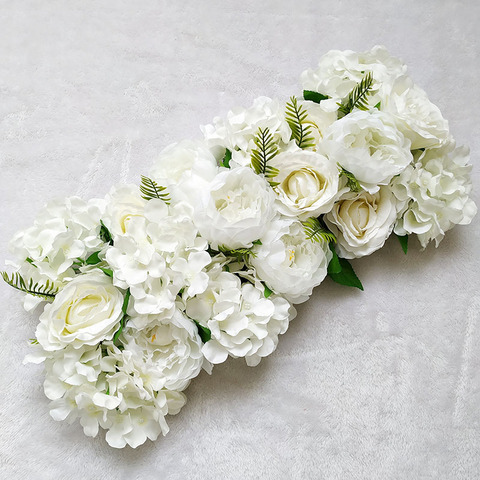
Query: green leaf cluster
x=239 y=254
x=266 y=149
x=316 y=231
x=352 y=182
x=46 y=291
x=358 y=97
x=297 y=118
x=150 y=189
x=341 y=271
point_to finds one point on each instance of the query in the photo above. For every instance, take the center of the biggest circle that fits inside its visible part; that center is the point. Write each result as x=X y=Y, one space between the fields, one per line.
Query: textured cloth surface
x=381 y=384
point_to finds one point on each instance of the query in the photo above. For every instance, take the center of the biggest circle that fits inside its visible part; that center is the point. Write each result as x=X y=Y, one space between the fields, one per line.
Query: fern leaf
x=352 y=182
x=358 y=97
x=266 y=149
x=240 y=254
x=150 y=189
x=297 y=118
x=46 y=291
x=317 y=232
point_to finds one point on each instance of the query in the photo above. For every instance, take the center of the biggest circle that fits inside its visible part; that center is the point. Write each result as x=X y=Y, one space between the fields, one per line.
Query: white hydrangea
x=235 y=209
x=338 y=73
x=435 y=191
x=162 y=255
x=64 y=232
x=370 y=146
x=362 y=221
x=288 y=262
x=243 y=323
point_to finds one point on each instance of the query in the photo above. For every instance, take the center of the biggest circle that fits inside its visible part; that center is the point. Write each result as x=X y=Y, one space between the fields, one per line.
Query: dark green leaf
x=346 y=276
x=403 y=239
x=226 y=159
x=106 y=271
x=267 y=292
x=334 y=265
x=314 y=96
x=204 y=332
x=105 y=235
x=125 y=301
x=257 y=242
x=93 y=259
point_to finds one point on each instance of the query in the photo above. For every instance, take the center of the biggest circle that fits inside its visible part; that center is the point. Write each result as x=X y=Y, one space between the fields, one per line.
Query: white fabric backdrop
x=382 y=384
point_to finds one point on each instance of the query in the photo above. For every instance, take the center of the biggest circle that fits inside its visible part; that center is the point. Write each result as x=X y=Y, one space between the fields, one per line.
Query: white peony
x=243 y=323
x=85 y=312
x=338 y=73
x=369 y=145
x=435 y=192
x=235 y=210
x=308 y=183
x=362 y=221
x=166 y=354
x=288 y=262
x=417 y=117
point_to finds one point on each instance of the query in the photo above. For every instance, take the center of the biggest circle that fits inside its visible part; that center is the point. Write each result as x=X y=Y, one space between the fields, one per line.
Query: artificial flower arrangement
x=206 y=258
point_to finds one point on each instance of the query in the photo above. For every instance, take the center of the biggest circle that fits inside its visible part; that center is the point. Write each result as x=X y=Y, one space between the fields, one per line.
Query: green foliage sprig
x=266 y=149
x=316 y=231
x=358 y=97
x=45 y=291
x=297 y=118
x=150 y=189
x=341 y=271
x=352 y=183
x=124 y=319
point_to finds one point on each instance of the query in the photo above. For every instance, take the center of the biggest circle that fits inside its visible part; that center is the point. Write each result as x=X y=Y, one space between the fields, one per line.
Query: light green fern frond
x=297 y=118
x=46 y=291
x=266 y=149
x=358 y=97
x=240 y=254
x=150 y=189
x=352 y=182
x=317 y=232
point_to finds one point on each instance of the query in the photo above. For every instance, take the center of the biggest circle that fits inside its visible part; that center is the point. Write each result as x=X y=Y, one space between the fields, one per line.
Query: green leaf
x=93 y=259
x=204 y=332
x=346 y=276
x=45 y=291
x=334 y=265
x=297 y=118
x=150 y=189
x=240 y=254
x=226 y=159
x=403 y=239
x=105 y=235
x=358 y=97
x=106 y=271
x=267 y=292
x=125 y=301
x=266 y=149
x=317 y=231
x=33 y=341
x=257 y=242
x=378 y=105
x=314 y=96
x=352 y=182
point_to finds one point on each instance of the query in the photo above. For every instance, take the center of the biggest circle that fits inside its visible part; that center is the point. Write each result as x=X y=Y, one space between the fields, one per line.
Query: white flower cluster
x=206 y=258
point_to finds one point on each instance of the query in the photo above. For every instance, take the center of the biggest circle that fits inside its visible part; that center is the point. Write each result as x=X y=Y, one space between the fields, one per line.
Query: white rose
x=85 y=312
x=418 y=118
x=308 y=183
x=369 y=145
x=362 y=221
x=235 y=210
x=124 y=211
x=288 y=262
x=435 y=192
x=339 y=72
